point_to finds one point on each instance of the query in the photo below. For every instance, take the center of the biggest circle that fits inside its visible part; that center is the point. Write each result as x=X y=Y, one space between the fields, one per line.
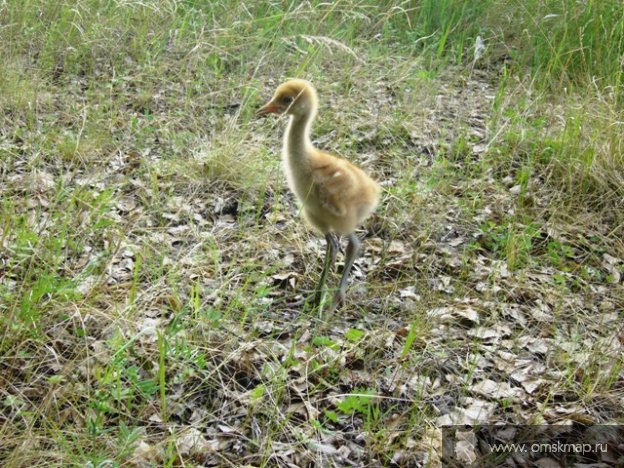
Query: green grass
x=152 y=261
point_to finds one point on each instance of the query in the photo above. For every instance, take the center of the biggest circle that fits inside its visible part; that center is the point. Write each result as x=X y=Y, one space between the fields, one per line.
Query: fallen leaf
x=497 y=390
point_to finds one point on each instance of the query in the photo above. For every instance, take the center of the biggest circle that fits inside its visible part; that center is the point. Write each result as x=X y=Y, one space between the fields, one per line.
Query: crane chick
x=336 y=196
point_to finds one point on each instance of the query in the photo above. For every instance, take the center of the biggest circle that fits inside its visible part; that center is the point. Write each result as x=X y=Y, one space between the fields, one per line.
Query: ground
x=155 y=267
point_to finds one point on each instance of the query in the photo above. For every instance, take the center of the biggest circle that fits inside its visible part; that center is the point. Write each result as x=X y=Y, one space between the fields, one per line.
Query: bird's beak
x=269 y=108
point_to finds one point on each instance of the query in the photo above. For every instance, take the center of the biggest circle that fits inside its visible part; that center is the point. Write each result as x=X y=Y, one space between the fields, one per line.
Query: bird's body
x=336 y=196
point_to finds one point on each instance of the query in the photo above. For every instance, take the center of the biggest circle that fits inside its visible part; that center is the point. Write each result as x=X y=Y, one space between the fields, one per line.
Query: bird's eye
x=287 y=100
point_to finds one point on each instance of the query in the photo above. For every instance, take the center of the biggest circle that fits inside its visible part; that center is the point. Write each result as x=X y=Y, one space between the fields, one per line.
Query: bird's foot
x=317 y=299
x=339 y=300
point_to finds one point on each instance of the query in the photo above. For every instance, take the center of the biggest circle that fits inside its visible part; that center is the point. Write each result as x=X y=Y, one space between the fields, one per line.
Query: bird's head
x=294 y=97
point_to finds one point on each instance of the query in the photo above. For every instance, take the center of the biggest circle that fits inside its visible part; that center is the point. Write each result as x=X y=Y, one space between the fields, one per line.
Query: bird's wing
x=332 y=184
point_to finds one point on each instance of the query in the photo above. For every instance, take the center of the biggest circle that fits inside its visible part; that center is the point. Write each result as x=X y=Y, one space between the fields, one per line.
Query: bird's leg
x=353 y=249
x=330 y=258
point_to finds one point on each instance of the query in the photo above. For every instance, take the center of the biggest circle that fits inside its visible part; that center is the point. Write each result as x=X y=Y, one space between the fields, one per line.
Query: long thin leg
x=330 y=259
x=353 y=249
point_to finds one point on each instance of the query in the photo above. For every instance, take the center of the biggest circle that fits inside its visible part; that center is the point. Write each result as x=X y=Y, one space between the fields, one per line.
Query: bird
x=335 y=195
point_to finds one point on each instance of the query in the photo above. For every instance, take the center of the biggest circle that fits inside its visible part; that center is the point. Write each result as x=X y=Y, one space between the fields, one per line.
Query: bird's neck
x=297 y=143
